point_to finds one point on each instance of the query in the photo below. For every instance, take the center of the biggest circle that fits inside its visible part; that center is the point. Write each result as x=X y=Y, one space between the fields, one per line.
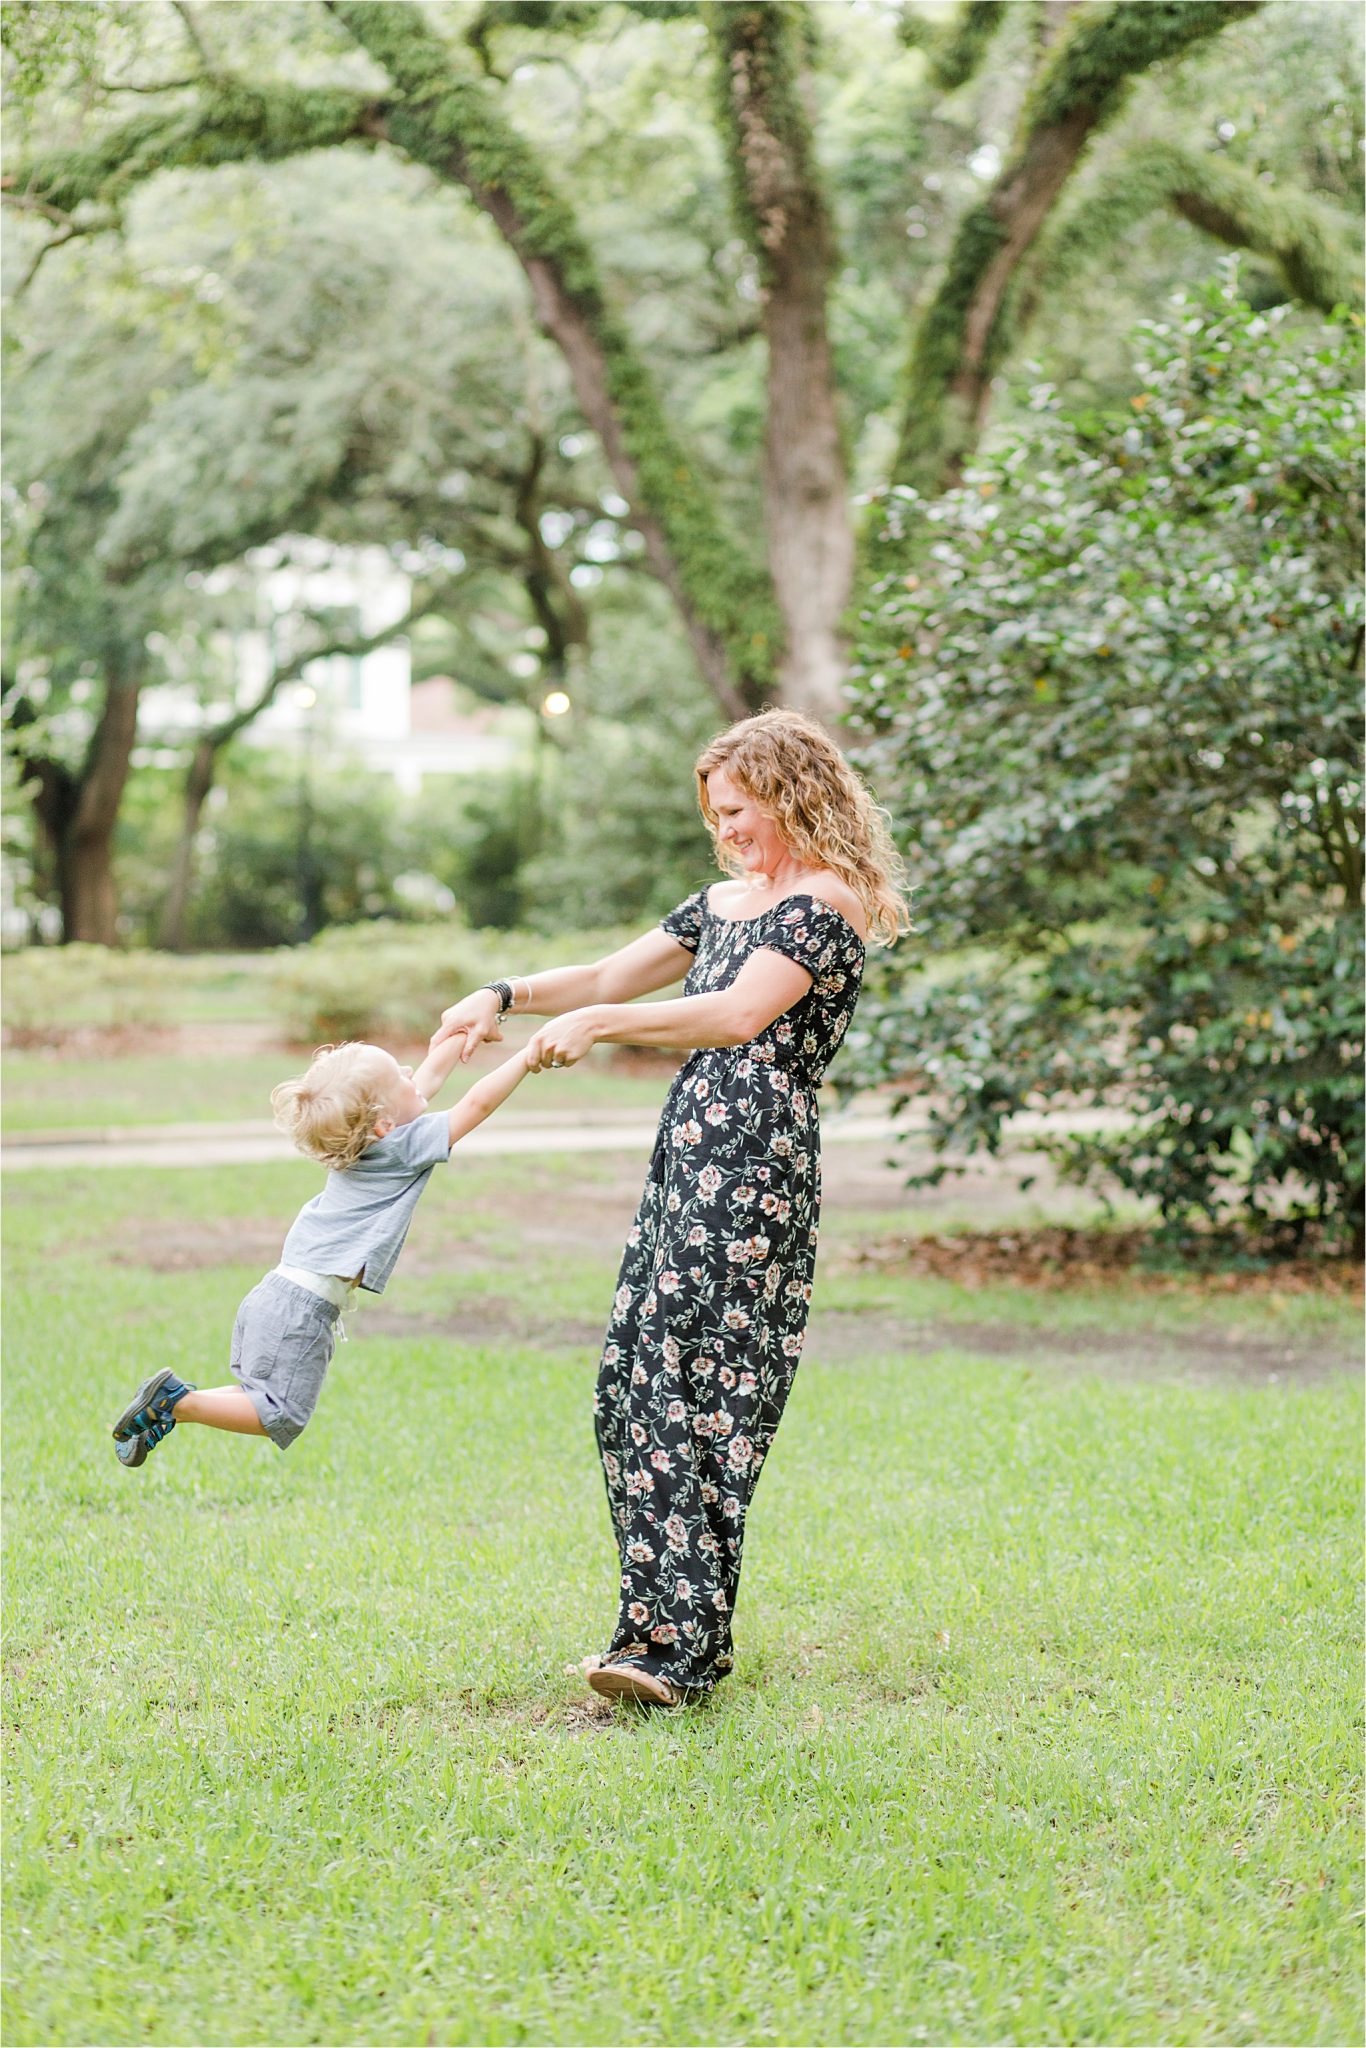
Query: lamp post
x=307 y=881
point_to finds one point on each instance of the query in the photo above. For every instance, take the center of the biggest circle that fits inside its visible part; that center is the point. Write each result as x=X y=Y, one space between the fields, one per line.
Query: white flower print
x=712 y=1296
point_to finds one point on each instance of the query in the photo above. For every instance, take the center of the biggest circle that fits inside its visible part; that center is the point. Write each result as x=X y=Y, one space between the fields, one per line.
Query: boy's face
x=402 y=1102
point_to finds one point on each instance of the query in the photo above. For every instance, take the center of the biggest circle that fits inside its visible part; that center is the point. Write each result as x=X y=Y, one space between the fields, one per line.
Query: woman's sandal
x=625 y=1682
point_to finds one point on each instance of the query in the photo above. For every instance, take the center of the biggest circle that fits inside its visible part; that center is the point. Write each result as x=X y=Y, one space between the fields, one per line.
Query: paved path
x=247 y=1144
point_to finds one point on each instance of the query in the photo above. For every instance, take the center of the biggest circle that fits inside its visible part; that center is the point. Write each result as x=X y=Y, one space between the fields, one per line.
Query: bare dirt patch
x=1198 y=1352
x=193 y=1244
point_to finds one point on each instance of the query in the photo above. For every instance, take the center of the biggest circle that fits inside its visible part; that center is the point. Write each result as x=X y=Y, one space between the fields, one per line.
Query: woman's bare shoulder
x=726 y=898
x=832 y=889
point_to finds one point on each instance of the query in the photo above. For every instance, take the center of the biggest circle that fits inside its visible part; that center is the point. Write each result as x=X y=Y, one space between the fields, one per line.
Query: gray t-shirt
x=359 y=1221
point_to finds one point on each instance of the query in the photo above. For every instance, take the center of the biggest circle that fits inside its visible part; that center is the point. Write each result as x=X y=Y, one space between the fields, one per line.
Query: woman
x=715 y=1283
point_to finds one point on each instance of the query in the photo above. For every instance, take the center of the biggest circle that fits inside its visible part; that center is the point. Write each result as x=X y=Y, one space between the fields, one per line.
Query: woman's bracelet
x=506 y=992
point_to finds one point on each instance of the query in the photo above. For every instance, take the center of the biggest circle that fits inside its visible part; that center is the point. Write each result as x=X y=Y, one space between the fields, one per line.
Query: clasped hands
x=475 y=1020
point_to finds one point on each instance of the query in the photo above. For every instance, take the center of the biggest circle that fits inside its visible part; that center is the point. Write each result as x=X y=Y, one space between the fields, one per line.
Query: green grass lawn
x=1045 y=1727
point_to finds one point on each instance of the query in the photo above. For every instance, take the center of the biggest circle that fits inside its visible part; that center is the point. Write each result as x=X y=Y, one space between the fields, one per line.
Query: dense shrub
x=1112 y=693
x=380 y=980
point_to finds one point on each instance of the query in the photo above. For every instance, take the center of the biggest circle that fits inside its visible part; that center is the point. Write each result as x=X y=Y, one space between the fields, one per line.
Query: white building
x=361 y=708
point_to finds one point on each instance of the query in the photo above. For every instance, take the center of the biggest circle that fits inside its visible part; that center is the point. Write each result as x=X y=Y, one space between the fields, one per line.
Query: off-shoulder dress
x=714 y=1288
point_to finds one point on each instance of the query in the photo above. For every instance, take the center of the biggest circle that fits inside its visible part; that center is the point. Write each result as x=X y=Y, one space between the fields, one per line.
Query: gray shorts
x=282 y=1345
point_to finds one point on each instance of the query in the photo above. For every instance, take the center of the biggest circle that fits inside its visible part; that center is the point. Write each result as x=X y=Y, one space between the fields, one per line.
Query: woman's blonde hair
x=796 y=774
x=331 y=1111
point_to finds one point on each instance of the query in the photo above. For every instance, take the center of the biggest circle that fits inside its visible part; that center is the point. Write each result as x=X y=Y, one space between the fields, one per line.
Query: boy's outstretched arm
x=436 y=1069
x=486 y=1095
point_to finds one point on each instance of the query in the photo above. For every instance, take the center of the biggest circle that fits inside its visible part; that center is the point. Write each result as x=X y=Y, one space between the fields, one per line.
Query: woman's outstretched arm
x=766 y=986
x=650 y=962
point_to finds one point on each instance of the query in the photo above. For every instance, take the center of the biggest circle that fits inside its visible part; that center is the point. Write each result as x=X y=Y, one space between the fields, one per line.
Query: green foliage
x=227 y=123
x=51 y=991
x=379 y=981
x=1122 y=675
x=1080 y=86
x=961 y=53
x=1307 y=240
x=452 y=123
x=1099 y=52
x=44 y=44
x=623 y=838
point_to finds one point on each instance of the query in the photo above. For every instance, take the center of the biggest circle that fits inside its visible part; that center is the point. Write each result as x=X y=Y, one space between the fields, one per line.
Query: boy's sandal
x=626 y=1682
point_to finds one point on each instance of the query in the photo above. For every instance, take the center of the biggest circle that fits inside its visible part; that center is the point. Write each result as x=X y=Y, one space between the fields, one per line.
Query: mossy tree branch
x=967 y=329
x=451 y=122
x=959 y=54
x=226 y=122
x=780 y=205
x=1304 y=237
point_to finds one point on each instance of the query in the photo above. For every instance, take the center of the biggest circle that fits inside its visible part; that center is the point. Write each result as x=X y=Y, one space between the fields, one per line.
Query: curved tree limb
x=209 y=744
x=450 y=122
x=227 y=122
x=781 y=209
x=1305 y=237
x=965 y=331
x=959 y=54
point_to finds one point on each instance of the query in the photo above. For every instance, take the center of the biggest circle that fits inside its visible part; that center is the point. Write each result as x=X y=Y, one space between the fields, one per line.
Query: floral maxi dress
x=715 y=1283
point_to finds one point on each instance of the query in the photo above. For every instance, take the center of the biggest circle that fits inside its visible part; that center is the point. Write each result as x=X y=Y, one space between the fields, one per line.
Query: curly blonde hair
x=796 y=774
x=330 y=1112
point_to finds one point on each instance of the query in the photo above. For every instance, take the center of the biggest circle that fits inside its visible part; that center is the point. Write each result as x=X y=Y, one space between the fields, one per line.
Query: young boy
x=364 y=1117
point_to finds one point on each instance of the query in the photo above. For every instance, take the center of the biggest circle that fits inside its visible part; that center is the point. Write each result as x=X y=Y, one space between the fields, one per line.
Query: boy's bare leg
x=220 y=1408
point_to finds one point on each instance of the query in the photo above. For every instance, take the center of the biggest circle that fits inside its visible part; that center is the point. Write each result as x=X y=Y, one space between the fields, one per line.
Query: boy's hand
x=563 y=1041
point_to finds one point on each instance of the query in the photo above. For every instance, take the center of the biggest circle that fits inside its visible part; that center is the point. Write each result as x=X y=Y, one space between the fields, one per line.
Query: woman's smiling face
x=742 y=829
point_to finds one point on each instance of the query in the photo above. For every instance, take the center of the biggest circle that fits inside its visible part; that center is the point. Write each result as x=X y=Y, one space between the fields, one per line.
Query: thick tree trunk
x=806 y=487
x=198 y=782
x=85 y=856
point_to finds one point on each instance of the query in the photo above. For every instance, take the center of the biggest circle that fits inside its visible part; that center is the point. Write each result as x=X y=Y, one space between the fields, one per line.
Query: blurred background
x=427 y=425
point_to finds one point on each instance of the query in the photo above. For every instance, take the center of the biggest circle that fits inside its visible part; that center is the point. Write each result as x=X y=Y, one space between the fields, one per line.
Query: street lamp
x=306 y=697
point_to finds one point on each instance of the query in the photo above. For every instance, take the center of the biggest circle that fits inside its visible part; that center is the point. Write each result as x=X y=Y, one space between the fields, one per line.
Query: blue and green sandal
x=149 y=1416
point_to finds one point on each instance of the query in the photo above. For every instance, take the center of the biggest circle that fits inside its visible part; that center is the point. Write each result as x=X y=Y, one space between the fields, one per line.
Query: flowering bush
x=1110 y=689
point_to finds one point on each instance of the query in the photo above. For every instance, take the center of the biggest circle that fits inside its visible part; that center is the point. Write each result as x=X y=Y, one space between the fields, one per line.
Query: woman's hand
x=563 y=1041
x=473 y=1021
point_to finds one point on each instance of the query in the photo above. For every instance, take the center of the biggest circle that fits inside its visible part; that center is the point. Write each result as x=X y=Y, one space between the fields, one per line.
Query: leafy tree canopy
x=1114 y=699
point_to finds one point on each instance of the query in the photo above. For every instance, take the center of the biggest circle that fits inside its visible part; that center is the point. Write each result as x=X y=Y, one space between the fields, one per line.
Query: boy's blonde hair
x=331 y=1111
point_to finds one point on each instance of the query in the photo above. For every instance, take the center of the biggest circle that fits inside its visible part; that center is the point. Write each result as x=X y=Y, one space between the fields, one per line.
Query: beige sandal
x=625 y=1682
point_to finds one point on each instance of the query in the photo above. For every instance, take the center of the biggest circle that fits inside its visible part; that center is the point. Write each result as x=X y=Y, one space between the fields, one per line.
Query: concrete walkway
x=250 y=1144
